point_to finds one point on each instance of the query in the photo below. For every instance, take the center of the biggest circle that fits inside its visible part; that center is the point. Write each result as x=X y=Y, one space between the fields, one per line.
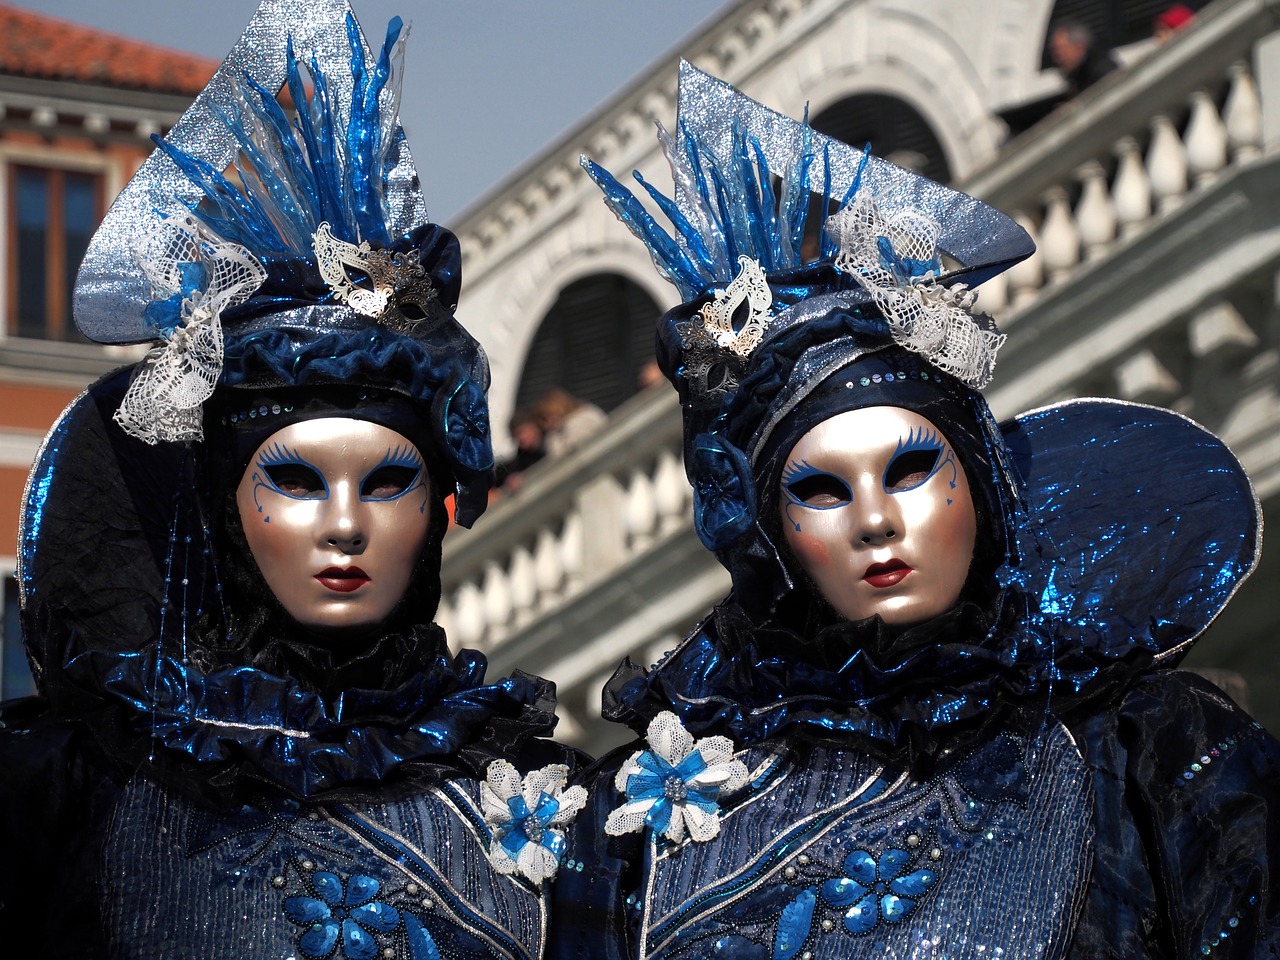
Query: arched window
x=893 y=128
x=592 y=342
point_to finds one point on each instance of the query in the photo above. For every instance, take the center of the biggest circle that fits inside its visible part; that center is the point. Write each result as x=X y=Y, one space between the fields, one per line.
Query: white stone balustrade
x=1130 y=151
x=574 y=521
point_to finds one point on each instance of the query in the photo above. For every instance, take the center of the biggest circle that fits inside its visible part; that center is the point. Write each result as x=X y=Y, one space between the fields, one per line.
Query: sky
x=488 y=83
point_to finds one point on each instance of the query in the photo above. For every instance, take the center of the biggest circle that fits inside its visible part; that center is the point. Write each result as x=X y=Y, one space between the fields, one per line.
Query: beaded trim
x=1228 y=926
x=1216 y=752
x=891 y=378
x=254 y=412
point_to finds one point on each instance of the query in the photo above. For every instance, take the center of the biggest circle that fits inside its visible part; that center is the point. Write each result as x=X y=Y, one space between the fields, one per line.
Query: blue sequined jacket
x=1146 y=829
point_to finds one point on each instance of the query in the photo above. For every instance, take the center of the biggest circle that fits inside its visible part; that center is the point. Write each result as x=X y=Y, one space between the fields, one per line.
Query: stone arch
x=893 y=127
x=508 y=318
x=592 y=341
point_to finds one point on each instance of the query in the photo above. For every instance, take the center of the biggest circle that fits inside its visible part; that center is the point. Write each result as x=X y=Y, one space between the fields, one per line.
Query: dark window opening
x=54 y=214
x=593 y=342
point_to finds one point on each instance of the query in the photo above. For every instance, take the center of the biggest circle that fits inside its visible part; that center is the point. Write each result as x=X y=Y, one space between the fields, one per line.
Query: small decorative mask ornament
x=716 y=352
x=391 y=287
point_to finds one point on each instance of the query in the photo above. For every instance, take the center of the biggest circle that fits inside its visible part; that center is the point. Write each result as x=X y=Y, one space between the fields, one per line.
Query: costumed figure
x=250 y=738
x=936 y=717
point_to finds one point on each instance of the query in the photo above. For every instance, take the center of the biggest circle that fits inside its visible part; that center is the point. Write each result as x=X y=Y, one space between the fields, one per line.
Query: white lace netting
x=165 y=399
x=928 y=318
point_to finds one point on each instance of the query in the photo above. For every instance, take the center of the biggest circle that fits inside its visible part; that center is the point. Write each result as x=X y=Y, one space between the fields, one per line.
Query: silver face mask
x=335 y=514
x=876 y=508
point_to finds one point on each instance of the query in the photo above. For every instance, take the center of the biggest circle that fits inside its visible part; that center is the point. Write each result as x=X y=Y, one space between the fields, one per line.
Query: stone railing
x=575 y=521
x=1089 y=183
x=1131 y=149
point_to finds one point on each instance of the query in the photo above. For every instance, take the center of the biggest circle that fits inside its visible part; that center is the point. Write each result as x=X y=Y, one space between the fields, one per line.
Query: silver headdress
x=295 y=240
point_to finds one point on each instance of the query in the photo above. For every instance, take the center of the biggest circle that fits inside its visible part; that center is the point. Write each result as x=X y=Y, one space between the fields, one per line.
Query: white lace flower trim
x=714 y=352
x=194 y=275
x=524 y=815
x=896 y=260
x=675 y=786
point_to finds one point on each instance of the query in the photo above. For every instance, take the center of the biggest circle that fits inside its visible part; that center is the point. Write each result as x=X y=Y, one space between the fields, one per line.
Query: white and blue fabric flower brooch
x=527 y=816
x=674 y=788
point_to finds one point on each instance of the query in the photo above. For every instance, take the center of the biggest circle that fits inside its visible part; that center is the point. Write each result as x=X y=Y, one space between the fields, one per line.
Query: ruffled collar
x=238 y=729
x=905 y=697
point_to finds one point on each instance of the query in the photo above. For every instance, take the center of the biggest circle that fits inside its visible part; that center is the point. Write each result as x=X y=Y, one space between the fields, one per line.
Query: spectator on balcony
x=1075 y=52
x=1173 y=20
x=530 y=448
x=566 y=421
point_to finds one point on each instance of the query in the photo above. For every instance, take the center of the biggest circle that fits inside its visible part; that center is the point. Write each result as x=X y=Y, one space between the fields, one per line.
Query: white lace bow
x=194 y=275
x=895 y=259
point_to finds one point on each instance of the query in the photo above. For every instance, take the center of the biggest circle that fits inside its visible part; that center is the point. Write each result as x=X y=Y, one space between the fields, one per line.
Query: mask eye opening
x=910 y=469
x=820 y=490
x=295 y=480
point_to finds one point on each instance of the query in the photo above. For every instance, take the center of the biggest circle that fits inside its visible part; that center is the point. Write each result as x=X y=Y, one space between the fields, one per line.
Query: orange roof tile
x=34 y=45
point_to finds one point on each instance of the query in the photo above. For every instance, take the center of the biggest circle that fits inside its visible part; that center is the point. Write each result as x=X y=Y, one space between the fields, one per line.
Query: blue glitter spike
x=752 y=207
x=796 y=193
x=244 y=221
x=694 y=242
x=769 y=206
x=671 y=261
x=295 y=176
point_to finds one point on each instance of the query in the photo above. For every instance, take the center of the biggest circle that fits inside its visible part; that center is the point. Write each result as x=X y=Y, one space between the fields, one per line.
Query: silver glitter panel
x=972 y=232
x=111 y=289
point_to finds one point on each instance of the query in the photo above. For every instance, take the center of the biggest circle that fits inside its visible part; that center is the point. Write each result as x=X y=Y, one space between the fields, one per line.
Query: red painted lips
x=343 y=581
x=886 y=574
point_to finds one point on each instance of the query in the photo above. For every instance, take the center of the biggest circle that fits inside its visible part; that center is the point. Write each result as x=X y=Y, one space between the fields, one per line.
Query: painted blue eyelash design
x=405 y=456
x=796 y=471
x=278 y=455
x=928 y=440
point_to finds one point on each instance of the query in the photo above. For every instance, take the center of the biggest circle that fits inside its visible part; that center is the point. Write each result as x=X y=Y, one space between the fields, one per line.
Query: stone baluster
x=993 y=295
x=1242 y=114
x=468 y=616
x=670 y=491
x=1144 y=379
x=573 y=553
x=1095 y=213
x=1166 y=164
x=523 y=580
x=641 y=511
x=497 y=601
x=1131 y=190
x=1026 y=278
x=1059 y=236
x=1205 y=139
x=444 y=620
x=548 y=568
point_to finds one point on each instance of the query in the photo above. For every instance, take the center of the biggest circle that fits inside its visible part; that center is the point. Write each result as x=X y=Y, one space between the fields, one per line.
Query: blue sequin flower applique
x=675 y=786
x=877 y=889
x=348 y=911
x=524 y=814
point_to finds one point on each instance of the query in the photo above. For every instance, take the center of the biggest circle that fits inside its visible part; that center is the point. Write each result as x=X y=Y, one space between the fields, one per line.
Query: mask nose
x=878 y=524
x=343 y=526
